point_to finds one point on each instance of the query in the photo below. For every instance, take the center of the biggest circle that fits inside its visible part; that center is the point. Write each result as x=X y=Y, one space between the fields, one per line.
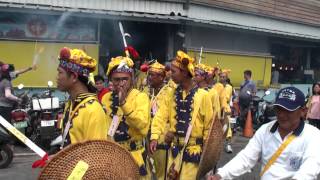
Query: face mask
x=13 y=75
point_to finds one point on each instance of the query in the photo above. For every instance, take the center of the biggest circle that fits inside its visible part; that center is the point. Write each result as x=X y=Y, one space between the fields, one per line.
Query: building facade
x=273 y=37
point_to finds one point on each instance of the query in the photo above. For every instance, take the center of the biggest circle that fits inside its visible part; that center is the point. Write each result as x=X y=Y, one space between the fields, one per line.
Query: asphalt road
x=20 y=168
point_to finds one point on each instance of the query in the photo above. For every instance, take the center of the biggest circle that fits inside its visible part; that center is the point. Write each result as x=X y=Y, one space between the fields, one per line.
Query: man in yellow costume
x=157 y=90
x=228 y=89
x=168 y=79
x=188 y=110
x=202 y=72
x=128 y=111
x=211 y=80
x=140 y=80
x=219 y=87
x=83 y=118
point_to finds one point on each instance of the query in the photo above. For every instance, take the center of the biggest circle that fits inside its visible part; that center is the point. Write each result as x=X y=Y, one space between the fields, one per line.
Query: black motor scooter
x=6 y=153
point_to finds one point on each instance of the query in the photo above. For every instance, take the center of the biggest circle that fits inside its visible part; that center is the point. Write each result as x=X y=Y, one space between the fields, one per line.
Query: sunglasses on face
x=119 y=79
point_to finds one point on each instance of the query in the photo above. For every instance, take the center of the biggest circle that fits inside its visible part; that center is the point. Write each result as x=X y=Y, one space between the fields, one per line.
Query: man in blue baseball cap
x=288 y=148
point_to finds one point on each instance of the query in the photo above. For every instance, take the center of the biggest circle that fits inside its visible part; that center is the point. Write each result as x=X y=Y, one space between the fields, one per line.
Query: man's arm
x=21 y=71
x=9 y=95
x=253 y=88
x=206 y=110
x=138 y=113
x=160 y=119
x=245 y=160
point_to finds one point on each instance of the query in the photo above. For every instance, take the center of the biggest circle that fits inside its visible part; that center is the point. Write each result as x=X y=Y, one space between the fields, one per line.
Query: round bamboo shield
x=91 y=160
x=224 y=121
x=212 y=149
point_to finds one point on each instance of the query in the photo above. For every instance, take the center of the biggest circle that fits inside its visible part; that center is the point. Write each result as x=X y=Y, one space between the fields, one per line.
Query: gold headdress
x=184 y=61
x=202 y=69
x=120 y=64
x=226 y=71
x=77 y=61
x=157 y=67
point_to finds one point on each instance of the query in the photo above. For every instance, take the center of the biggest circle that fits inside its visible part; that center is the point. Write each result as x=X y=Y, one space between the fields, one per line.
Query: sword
x=123 y=34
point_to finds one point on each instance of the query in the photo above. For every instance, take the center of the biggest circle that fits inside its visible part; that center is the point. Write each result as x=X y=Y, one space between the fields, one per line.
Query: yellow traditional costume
x=204 y=70
x=227 y=87
x=171 y=84
x=156 y=99
x=219 y=87
x=228 y=95
x=182 y=108
x=84 y=118
x=131 y=120
x=140 y=80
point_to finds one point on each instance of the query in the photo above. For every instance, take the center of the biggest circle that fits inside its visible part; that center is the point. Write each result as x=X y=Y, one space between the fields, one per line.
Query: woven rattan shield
x=211 y=149
x=102 y=159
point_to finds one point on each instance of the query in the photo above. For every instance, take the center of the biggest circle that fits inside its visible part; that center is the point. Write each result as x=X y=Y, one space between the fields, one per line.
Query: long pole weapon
x=123 y=34
x=200 y=56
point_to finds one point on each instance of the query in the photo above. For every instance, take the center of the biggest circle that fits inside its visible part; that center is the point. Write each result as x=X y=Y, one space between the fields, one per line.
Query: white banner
x=22 y=137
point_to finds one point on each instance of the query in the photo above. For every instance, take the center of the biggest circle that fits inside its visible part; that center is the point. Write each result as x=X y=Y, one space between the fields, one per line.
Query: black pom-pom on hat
x=185 y=61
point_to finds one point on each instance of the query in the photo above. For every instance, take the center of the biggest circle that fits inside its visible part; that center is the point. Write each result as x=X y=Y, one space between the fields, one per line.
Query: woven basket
x=212 y=149
x=106 y=160
x=224 y=121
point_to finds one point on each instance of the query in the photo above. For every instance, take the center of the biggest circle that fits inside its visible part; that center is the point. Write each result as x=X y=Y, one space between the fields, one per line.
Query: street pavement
x=20 y=168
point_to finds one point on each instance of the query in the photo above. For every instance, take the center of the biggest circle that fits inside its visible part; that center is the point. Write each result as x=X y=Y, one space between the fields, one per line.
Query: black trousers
x=243 y=114
x=5 y=112
x=314 y=122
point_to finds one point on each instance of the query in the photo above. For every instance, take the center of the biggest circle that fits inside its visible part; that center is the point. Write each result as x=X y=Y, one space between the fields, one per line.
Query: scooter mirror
x=50 y=83
x=248 y=92
x=20 y=86
x=267 y=92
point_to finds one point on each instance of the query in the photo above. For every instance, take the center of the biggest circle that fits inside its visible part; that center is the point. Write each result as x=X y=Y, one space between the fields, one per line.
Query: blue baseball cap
x=290 y=98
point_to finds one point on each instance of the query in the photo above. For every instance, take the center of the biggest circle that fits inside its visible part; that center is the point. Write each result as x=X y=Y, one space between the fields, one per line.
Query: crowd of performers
x=156 y=115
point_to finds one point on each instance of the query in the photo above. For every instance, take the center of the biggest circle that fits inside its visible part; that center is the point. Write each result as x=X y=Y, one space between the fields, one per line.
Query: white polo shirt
x=300 y=160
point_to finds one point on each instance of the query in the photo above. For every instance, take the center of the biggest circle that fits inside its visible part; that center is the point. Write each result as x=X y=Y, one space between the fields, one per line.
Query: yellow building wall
x=260 y=66
x=23 y=54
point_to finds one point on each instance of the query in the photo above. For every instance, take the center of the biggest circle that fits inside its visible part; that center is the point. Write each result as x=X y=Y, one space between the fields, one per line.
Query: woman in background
x=7 y=99
x=313 y=106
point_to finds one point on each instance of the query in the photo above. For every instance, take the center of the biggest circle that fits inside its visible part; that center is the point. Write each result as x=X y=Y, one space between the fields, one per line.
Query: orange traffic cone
x=248 y=129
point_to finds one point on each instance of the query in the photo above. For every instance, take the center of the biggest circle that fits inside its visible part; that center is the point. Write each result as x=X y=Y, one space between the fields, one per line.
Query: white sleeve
x=245 y=160
x=310 y=165
x=9 y=95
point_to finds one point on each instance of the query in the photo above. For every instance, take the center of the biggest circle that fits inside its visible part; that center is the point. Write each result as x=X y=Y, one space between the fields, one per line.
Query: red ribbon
x=41 y=162
x=132 y=52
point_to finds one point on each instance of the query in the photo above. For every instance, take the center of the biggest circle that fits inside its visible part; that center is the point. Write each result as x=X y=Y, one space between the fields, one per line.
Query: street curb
x=24 y=154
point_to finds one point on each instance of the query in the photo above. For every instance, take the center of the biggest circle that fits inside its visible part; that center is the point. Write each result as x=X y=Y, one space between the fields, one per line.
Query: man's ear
x=303 y=112
x=74 y=77
x=163 y=77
